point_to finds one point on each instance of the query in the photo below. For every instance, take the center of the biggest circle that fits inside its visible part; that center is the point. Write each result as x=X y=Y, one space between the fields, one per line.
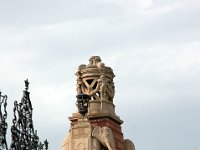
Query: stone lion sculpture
x=104 y=136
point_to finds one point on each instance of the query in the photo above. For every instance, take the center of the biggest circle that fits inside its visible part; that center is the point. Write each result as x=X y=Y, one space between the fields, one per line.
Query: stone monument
x=95 y=126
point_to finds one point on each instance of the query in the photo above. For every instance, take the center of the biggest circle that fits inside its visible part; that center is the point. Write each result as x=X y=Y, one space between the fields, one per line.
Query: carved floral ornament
x=96 y=80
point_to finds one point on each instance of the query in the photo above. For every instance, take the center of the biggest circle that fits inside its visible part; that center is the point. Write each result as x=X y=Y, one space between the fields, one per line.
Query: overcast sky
x=153 y=47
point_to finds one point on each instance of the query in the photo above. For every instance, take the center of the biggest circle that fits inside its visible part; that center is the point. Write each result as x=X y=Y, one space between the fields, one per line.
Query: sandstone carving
x=67 y=142
x=94 y=60
x=99 y=128
x=104 y=136
x=96 y=144
x=128 y=145
x=96 y=80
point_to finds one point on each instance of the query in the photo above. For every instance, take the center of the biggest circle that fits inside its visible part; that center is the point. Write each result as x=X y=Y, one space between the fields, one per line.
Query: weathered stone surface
x=100 y=128
x=105 y=137
x=96 y=107
x=114 y=125
x=79 y=137
x=96 y=80
x=128 y=145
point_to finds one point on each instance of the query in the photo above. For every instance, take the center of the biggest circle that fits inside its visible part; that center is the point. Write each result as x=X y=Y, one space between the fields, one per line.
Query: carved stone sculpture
x=104 y=136
x=95 y=126
x=128 y=145
x=96 y=80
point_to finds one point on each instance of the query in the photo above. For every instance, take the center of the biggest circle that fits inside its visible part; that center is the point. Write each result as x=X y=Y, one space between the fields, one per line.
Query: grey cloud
x=152 y=46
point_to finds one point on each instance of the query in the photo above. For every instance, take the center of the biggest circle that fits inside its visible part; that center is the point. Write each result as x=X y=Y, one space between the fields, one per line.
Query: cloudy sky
x=153 y=47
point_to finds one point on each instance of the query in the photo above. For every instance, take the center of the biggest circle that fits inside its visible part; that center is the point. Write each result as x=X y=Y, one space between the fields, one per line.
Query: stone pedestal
x=101 y=107
x=79 y=137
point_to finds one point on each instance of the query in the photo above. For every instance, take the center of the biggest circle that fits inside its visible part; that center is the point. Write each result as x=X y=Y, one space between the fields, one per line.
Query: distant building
x=95 y=126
